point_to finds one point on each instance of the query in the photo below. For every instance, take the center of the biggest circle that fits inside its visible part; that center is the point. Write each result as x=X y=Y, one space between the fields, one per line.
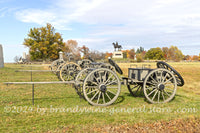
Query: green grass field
x=59 y=109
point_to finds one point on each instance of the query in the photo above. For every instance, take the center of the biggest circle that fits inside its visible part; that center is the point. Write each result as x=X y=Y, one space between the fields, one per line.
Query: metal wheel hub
x=103 y=88
x=71 y=73
x=161 y=87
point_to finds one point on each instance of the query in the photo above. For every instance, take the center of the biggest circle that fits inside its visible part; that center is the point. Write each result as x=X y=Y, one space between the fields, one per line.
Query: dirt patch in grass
x=179 y=125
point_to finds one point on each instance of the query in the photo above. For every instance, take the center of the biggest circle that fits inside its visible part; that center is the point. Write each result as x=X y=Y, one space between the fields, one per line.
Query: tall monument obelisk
x=1 y=57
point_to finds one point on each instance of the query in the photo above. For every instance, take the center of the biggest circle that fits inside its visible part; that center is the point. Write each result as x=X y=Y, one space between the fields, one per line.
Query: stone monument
x=117 y=52
x=1 y=57
x=61 y=55
x=24 y=55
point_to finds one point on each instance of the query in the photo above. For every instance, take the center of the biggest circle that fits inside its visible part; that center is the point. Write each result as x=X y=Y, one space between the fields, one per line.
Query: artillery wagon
x=158 y=85
x=67 y=70
x=101 y=85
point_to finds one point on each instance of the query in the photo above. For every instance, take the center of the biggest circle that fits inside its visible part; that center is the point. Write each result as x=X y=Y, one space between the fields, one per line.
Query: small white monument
x=117 y=53
x=61 y=55
x=1 y=57
x=24 y=55
x=135 y=58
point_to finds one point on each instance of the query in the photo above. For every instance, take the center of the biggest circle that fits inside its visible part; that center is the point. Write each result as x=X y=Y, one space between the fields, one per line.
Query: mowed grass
x=58 y=108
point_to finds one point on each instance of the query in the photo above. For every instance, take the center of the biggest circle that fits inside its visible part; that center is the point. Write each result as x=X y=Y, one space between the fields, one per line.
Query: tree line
x=45 y=43
x=171 y=53
x=165 y=53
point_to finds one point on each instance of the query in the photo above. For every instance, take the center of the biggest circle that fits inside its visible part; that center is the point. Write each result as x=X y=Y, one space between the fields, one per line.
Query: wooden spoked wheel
x=135 y=88
x=79 y=81
x=160 y=86
x=101 y=87
x=85 y=63
x=55 y=64
x=58 y=70
x=109 y=66
x=179 y=79
x=69 y=71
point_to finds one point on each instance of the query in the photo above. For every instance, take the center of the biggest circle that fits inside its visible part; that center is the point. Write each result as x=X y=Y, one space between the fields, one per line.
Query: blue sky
x=98 y=23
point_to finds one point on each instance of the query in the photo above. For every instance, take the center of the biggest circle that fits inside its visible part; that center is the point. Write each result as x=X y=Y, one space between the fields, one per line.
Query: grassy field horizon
x=58 y=108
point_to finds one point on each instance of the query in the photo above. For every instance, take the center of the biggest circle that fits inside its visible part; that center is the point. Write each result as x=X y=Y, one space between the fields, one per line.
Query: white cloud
x=5 y=11
x=83 y=7
x=60 y=14
x=104 y=12
x=35 y=16
x=137 y=21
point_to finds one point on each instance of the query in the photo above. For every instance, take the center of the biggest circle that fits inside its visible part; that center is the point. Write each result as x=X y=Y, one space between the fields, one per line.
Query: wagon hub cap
x=161 y=87
x=103 y=88
x=71 y=73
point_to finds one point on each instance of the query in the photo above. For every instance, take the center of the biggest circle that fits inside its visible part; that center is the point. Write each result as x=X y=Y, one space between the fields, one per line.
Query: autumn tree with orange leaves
x=85 y=50
x=108 y=55
x=71 y=46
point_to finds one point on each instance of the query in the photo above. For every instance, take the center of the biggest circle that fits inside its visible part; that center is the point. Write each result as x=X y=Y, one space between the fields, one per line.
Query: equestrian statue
x=117 y=46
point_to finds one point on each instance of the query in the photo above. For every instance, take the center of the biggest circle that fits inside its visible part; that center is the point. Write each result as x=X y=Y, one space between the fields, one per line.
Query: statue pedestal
x=117 y=54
